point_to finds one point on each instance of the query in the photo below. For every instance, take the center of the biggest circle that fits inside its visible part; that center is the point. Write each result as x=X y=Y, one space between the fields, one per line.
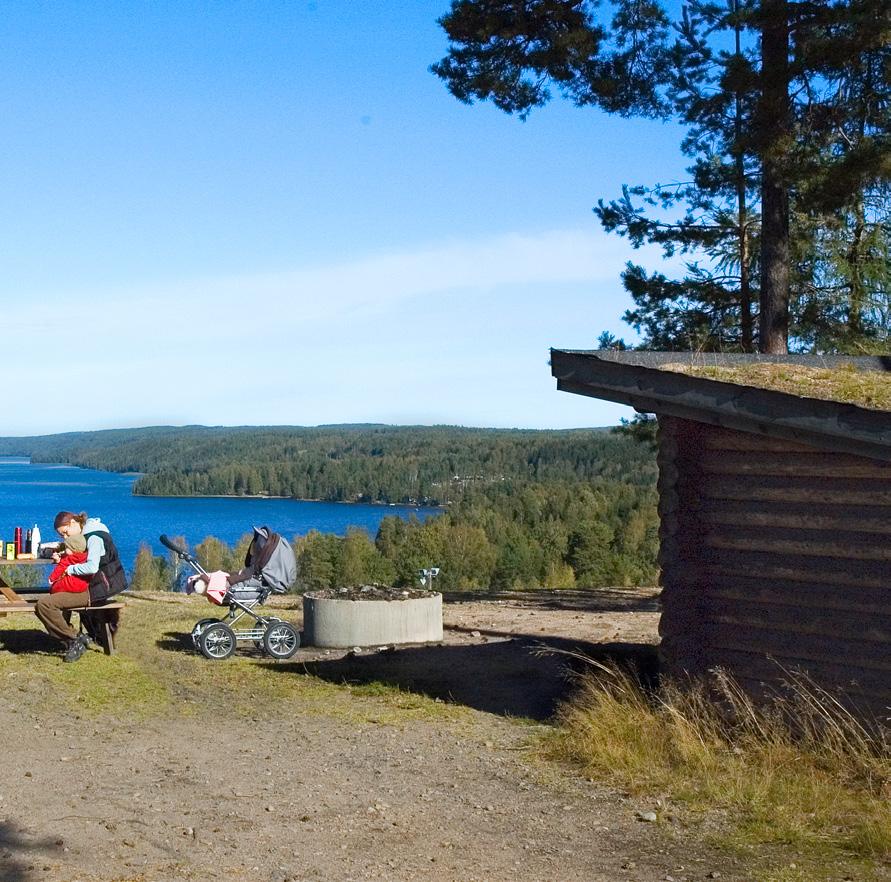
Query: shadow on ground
x=176 y=641
x=15 y=863
x=600 y=600
x=29 y=640
x=181 y=641
x=519 y=678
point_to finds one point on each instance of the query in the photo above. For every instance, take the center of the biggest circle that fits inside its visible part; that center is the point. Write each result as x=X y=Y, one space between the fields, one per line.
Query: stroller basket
x=245 y=593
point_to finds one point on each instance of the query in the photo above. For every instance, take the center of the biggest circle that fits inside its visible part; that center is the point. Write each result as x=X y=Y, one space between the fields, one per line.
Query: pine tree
x=753 y=82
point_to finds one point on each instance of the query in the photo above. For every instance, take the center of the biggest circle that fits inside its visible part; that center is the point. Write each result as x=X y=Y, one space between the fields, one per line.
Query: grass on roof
x=849 y=385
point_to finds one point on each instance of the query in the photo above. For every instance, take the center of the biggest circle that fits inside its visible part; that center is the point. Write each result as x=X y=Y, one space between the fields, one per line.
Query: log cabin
x=775 y=511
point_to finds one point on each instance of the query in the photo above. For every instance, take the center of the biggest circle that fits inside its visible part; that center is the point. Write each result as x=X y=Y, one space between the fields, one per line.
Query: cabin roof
x=835 y=402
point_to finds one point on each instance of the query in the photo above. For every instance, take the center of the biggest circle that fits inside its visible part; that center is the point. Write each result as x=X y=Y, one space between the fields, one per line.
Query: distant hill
x=370 y=462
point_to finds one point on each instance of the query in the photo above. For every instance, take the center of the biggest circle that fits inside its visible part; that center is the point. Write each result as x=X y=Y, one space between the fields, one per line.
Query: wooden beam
x=10 y=594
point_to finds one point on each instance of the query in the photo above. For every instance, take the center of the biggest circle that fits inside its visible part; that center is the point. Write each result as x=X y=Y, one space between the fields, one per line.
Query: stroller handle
x=169 y=543
x=190 y=559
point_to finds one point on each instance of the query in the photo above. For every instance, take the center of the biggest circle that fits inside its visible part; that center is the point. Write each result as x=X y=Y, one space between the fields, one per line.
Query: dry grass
x=870 y=389
x=801 y=773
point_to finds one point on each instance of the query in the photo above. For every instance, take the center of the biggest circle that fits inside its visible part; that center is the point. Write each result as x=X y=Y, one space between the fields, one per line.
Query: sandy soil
x=271 y=794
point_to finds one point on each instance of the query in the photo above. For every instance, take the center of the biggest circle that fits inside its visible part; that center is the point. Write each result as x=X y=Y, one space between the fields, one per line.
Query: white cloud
x=148 y=325
x=549 y=256
x=379 y=281
x=196 y=348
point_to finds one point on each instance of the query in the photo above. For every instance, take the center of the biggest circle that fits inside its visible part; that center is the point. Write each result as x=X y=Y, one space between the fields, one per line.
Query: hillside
x=429 y=465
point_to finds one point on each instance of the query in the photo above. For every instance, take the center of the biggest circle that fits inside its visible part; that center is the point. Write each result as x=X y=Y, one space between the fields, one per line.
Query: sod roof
x=837 y=402
x=848 y=384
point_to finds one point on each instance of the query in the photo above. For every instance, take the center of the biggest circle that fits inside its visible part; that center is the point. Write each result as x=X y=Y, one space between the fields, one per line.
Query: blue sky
x=272 y=213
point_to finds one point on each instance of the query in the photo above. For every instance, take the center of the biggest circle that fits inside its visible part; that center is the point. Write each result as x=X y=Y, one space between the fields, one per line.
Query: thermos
x=35 y=540
x=18 y=541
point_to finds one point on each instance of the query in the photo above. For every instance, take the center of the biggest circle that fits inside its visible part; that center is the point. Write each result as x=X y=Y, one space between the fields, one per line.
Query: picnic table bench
x=12 y=602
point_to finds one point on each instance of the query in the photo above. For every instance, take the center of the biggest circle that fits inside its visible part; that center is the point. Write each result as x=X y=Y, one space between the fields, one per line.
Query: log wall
x=775 y=555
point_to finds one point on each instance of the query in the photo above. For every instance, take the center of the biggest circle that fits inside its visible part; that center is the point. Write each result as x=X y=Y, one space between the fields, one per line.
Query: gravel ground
x=271 y=794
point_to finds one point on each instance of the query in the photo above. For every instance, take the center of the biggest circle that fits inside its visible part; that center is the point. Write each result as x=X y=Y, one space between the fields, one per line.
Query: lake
x=32 y=493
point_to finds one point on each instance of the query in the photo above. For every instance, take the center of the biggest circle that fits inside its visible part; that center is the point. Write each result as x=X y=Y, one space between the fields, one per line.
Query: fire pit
x=371 y=616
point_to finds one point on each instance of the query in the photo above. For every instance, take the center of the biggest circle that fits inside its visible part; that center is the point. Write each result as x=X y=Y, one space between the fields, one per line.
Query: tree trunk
x=742 y=223
x=856 y=284
x=774 y=113
x=745 y=288
x=856 y=253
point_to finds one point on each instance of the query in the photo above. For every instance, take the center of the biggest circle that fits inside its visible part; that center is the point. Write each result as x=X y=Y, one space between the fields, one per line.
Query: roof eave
x=827 y=424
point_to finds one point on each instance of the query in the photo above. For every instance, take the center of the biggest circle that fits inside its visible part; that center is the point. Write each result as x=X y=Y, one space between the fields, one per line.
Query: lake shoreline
x=32 y=493
x=130 y=474
x=441 y=505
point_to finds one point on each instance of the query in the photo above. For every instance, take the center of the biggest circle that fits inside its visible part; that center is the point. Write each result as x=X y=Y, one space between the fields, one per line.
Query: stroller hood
x=271 y=559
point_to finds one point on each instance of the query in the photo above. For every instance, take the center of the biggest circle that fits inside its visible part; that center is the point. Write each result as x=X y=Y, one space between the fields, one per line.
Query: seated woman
x=66 y=593
x=104 y=574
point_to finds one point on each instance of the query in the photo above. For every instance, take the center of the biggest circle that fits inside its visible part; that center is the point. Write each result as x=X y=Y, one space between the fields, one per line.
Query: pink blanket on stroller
x=215 y=586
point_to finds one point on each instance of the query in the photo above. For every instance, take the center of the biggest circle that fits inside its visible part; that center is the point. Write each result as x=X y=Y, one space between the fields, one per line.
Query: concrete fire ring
x=346 y=623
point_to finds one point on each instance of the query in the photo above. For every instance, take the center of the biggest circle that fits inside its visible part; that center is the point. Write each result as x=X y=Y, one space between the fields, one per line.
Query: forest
x=409 y=464
x=520 y=509
x=557 y=535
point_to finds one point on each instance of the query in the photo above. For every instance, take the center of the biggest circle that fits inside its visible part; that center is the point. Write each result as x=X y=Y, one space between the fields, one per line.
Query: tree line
x=539 y=535
x=422 y=465
x=521 y=509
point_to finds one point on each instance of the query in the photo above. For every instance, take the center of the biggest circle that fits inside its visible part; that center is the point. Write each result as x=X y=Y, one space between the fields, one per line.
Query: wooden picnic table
x=13 y=602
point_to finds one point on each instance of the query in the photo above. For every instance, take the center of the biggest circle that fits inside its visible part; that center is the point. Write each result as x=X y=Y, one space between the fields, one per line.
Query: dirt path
x=214 y=788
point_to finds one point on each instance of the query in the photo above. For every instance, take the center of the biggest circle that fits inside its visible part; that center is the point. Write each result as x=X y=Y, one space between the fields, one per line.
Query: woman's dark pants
x=52 y=610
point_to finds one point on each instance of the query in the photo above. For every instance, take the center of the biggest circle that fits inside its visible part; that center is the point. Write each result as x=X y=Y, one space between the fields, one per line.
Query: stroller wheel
x=199 y=627
x=281 y=640
x=268 y=622
x=217 y=641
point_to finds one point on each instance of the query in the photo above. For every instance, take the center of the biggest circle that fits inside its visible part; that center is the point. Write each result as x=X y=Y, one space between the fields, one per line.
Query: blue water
x=33 y=493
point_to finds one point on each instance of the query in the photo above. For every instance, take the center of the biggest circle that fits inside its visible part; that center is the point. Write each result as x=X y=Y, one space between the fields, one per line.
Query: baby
x=214 y=586
x=74 y=551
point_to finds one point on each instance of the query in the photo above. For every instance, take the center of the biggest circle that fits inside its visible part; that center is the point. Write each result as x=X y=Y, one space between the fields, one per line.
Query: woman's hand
x=56 y=557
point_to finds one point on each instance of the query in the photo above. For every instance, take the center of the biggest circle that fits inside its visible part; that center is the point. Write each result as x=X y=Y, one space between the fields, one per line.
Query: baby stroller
x=270 y=568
